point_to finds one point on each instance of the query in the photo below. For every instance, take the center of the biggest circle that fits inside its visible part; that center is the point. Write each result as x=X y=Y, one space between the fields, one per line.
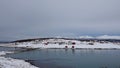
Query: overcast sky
x=21 y=19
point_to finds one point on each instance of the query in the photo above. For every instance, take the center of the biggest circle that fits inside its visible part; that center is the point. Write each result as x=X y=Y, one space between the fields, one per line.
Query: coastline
x=108 y=46
x=7 y=62
x=30 y=46
x=40 y=46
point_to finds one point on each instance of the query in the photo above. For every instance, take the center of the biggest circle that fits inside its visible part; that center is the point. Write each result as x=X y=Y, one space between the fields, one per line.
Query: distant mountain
x=108 y=37
x=100 y=37
x=86 y=37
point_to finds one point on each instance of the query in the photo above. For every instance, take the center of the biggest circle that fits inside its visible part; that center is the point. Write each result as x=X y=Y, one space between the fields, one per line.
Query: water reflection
x=73 y=51
x=66 y=51
x=69 y=51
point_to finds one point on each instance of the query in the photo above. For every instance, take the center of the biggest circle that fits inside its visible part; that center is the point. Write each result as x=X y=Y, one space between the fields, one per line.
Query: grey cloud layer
x=41 y=18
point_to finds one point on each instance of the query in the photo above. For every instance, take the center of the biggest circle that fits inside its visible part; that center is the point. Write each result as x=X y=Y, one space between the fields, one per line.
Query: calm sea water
x=71 y=58
x=6 y=48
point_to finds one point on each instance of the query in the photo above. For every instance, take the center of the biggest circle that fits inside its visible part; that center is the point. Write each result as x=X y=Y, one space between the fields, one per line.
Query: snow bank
x=14 y=63
x=4 y=52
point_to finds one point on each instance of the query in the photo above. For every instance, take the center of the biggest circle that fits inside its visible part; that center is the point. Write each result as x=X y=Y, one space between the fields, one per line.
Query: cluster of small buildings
x=59 y=42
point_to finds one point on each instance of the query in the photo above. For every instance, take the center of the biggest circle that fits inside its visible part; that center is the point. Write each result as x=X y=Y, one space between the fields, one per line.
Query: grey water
x=71 y=58
x=7 y=48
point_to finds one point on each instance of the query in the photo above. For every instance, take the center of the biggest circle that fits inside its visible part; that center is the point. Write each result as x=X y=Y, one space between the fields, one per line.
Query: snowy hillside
x=67 y=43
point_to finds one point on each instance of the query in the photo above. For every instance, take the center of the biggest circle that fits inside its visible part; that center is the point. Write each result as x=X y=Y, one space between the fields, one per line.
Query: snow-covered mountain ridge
x=100 y=37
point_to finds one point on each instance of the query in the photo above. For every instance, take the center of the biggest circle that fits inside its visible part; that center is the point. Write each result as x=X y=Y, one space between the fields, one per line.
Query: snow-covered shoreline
x=97 y=46
x=63 y=43
x=13 y=63
x=2 y=53
x=51 y=43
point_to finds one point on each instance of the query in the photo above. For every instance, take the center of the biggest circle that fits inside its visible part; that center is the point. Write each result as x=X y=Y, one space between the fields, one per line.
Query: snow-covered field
x=62 y=43
x=13 y=63
x=102 y=46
